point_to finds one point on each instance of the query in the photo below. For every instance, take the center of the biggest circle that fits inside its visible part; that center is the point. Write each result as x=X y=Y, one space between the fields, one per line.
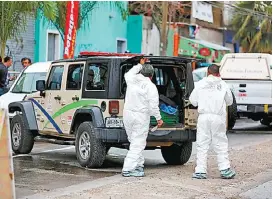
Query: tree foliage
x=254 y=31
x=85 y=8
x=14 y=16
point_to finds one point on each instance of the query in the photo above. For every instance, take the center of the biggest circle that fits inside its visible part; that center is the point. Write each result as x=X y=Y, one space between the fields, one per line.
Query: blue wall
x=99 y=32
x=134 y=33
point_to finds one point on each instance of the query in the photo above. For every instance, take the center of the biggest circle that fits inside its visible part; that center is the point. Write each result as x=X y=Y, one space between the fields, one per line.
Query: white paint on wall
x=150 y=37
x=210 y=35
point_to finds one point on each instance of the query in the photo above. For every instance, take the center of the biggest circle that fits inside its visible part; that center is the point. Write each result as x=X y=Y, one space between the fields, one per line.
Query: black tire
x=97 y=153
x=232 y=114
x=266 y=121
x=177 y=154
x=24 y=141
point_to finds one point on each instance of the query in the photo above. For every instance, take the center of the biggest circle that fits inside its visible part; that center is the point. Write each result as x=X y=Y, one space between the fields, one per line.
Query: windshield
x=27 y=82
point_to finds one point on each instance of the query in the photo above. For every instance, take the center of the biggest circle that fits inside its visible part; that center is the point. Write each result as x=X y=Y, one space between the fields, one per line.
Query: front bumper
x=119 y=136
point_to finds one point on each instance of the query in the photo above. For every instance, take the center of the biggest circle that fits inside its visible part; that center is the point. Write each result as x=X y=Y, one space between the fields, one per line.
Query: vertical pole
x=164 y=26
x=175 y=41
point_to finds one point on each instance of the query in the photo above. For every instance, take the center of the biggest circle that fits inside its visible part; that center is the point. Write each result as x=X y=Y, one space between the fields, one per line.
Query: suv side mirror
x=40 y=85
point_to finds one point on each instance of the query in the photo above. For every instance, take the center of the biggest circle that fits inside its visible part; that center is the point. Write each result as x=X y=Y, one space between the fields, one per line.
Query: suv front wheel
x=90 y=151
x=22 y=140
x=177 y=154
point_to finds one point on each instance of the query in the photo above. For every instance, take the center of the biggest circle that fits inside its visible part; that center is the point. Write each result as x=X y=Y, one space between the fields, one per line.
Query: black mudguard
x=27 y=110
x=94 y=112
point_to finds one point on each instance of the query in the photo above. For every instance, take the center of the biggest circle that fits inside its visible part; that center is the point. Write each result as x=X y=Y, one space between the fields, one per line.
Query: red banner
x=71 y=28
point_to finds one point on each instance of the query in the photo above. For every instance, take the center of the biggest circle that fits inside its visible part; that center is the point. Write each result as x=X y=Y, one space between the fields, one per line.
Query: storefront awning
x=209 y=44
x=202 y=49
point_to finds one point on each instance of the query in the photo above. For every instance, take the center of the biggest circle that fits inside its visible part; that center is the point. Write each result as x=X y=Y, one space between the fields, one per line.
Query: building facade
x=104 y=30
x=143 y=35
x=24 y=47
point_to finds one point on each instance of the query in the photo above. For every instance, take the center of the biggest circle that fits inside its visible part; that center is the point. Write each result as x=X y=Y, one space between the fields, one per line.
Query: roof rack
x=105 y=54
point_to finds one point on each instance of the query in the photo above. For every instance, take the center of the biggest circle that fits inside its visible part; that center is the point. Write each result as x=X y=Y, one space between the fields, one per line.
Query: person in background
x=212 y=96
x=4 y=74
x=26 y=62
x=141 y=102
x=22 y=61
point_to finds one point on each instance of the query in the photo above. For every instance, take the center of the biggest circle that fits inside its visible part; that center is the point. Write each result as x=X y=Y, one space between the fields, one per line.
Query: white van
x=25 y=83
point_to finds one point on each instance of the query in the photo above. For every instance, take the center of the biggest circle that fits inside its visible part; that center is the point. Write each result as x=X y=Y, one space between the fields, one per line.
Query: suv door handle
x=243 y=91
x=75 y=98
x=57 y=97
x=242 y=85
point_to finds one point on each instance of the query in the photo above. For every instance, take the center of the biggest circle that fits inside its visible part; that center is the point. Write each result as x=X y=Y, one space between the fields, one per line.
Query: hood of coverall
x=212 y=80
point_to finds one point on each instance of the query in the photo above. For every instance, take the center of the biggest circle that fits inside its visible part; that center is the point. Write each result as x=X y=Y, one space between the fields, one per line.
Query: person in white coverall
x=212 y=96
x=141 y=102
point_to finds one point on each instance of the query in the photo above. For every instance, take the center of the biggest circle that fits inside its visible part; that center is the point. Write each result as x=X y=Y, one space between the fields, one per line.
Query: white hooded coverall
x=141 y=102
x=211 y=95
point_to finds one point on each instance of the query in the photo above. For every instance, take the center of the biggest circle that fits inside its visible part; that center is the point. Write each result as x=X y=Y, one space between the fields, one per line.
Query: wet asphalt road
x=52 y=166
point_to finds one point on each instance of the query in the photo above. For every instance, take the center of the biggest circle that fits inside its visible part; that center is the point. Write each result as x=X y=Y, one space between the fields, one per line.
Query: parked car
x=249 y=76
x=82 y=101
x=24 y=84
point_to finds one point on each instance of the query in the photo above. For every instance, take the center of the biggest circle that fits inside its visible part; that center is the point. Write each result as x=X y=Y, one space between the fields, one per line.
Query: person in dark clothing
x=4 y=74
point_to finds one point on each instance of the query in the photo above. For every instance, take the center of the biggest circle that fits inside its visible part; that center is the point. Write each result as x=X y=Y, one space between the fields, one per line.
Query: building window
x=121 y=45
x=53 y=46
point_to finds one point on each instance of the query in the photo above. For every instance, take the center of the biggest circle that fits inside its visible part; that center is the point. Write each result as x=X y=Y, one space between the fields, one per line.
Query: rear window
x=245 y=68
x=27 y=82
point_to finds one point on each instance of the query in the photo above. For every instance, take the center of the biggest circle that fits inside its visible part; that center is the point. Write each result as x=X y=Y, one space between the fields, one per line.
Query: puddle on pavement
x=39 y=173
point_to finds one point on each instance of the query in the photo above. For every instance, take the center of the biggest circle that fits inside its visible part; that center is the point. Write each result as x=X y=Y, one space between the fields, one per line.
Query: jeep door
x=54 y=100
x=71 y=93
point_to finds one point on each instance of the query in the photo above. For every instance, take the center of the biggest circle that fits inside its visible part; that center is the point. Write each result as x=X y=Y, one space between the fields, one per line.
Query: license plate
x=242 y=108
x=114 y=122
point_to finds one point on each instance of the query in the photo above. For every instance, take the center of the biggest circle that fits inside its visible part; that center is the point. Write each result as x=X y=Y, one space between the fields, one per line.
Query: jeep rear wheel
x=22 y=140
x=177 y=154
x=90 y=151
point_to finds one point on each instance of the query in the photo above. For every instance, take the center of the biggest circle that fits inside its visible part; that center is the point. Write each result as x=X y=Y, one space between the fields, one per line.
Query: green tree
x=253 y=25
x=85 y=8
x=14 y=16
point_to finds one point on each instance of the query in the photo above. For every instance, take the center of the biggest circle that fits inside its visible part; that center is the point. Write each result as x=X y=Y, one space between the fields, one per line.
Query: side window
x=55 y=78
x=74 y=77
x=97 y=77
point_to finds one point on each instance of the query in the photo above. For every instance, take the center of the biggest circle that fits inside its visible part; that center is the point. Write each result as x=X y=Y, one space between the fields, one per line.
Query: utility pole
x=165 y=5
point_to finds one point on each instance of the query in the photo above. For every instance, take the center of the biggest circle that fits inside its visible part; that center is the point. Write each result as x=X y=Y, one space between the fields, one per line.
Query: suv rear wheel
x=177 y=154
x=22 y=140
x=90 y=151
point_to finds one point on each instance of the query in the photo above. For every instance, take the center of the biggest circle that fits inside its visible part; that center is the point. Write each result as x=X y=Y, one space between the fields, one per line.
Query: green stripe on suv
x=71 y=106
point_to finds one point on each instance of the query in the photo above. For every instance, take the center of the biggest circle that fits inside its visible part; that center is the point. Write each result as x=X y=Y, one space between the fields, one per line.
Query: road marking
x=61 y=149
x=46 y=151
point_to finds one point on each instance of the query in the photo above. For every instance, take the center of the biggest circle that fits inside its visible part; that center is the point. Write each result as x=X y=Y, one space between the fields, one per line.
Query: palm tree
x=85 y=8
x=254 y=30
x=14 y=16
